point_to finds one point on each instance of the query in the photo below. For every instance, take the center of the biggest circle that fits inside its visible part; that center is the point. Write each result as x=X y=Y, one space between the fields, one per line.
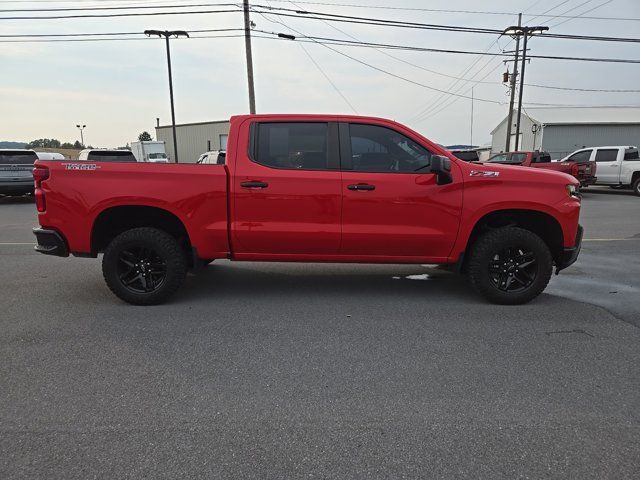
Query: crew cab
x=312 y=188
x=617 y=166
x=583 y=170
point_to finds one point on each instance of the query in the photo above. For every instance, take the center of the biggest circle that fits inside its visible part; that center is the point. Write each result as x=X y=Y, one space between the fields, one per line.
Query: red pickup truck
x=311 y=188
x=584 y=171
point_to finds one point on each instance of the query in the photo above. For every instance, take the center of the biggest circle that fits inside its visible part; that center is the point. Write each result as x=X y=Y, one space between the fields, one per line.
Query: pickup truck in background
x=15 y=171
x=618 y=166
x=583 y=171
x=312 y=188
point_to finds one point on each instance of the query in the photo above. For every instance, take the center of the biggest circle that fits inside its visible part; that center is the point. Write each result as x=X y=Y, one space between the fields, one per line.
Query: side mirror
x=441 y=166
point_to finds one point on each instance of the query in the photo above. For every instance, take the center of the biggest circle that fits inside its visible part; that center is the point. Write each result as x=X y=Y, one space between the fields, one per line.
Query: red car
x=312 y=188
x=583 y=170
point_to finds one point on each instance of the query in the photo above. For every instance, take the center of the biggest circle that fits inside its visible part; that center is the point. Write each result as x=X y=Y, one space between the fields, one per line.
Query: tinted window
x=607 y=155
x=471 y=156
x=382 y=150
x=580 y=157
x=631 y=154
x=500 y=158
x=112 y=156
x=518 y=157
x=293 y=145
x=542 y=158
x=17 y=157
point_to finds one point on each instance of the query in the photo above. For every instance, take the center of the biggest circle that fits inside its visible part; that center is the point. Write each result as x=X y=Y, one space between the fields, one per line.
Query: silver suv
x=16 y=177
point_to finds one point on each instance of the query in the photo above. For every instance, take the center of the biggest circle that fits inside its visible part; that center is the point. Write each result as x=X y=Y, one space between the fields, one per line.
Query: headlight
x=573 y=191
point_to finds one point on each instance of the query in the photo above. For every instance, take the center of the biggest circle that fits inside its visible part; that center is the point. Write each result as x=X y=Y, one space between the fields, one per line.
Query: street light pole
x=81 y=128
x=167 y=34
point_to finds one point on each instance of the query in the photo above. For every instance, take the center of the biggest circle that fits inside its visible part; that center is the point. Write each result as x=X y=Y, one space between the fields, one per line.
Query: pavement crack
x=575 y=330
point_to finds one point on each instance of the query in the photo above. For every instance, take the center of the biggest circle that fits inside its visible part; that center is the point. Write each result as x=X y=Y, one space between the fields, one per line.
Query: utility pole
x=525 y=32
x=471 y=142
x=81 y=128
x=247 y=46
x=167 y=34
x=513 y=79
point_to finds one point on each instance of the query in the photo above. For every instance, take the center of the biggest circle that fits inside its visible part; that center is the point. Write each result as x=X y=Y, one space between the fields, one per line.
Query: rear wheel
x=144 y=266
x=510 y=266
x=636 y=186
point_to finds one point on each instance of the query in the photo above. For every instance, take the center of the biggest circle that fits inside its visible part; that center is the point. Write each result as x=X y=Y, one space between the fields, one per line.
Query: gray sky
x=118 y=88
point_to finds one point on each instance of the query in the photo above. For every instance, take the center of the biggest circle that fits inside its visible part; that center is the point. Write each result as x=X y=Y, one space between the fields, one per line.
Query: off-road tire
x=164 y=246
x=488 y=245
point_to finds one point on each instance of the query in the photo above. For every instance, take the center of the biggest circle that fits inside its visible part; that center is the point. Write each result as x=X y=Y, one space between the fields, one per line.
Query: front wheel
x=144 y=266
x=510 y=266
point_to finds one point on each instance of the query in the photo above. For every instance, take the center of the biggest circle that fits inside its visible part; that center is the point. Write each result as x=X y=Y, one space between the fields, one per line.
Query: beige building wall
x=194 y=139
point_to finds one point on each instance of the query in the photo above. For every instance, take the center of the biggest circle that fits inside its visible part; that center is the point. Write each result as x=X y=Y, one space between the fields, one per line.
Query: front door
x=286 y=190
x=392 y=205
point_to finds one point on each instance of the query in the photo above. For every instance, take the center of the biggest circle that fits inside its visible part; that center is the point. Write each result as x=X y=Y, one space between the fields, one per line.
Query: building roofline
x=193 y=123
x=591 y=123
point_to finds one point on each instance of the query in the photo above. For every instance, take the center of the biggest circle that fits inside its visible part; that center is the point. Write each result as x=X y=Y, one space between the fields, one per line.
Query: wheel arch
x=541 y=223
x=112 y=221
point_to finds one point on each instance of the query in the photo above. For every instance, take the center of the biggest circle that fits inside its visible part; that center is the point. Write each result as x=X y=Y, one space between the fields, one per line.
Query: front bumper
x=570 y=255
x=50 y=242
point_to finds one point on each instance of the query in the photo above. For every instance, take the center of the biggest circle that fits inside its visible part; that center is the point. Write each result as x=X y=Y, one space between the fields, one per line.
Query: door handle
x=254 y=184
x=361 y=186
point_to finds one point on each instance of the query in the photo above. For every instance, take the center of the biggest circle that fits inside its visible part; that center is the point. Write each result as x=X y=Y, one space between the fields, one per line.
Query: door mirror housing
x=441 y=166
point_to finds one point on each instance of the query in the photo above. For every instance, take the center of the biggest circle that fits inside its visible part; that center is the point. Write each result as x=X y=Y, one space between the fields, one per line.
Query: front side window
x=542 y=158
x=580 y=157
x=383 y=150
x=293 y=145
x=500 y=158
x=518 y=157
x=631 y=154
x=608 y=155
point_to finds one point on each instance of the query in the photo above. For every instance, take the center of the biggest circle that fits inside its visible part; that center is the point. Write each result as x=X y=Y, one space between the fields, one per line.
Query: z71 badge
x=483 y=173
x=80 y=166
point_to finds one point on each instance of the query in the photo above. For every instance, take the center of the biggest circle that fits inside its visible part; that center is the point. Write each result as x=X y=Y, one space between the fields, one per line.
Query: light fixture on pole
x=167 y=34
x=81 y=128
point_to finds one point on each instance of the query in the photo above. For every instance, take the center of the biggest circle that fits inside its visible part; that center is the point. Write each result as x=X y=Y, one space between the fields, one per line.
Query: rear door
x=286 y=189
x=608 y=165
x=391 y=203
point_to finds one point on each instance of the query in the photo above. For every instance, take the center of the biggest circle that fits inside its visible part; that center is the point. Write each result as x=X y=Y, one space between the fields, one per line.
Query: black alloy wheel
x=141 y=269
x=513 y=269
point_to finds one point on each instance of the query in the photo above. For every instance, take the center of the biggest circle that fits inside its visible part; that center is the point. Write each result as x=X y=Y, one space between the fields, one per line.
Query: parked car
x=583 y=171
x=618 y=166
x=149 y=151
x=466 y=155
x=50 y=156
x=104 y=155
x=16 y=171
x=312 y=188
x=216 y=157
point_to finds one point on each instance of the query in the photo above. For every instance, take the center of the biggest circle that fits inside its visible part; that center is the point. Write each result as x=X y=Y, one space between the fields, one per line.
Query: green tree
x=66 y=145
x=77 y=145
x=145 y=137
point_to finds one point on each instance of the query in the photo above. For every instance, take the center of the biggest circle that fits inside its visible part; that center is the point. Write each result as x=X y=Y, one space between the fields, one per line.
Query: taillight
x=575 y=169
x=40 y=174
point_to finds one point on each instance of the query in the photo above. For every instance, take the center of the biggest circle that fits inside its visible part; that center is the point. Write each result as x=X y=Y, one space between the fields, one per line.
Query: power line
x=115 y=7
x=112 y=15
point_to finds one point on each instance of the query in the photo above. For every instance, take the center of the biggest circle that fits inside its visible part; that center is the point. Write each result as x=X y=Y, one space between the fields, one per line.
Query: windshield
x=17 y=158
x=157 y=155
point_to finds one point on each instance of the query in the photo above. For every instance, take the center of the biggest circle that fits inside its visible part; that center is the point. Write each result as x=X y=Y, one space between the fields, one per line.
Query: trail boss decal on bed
x=80 y=166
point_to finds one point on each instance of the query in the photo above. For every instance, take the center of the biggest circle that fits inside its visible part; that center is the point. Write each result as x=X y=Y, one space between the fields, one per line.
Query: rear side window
x=580 y=157
x=303 y=146
x=112 y=156
x=8 y=157
x=631 y=154
x=607 y=155
x=383 y=150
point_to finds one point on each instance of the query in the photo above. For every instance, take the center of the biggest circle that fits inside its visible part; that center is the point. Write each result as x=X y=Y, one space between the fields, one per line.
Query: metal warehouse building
x=562 y=131
x=194 y=139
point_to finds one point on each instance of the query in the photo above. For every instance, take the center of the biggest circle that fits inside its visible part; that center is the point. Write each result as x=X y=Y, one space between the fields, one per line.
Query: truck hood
x=516 y=173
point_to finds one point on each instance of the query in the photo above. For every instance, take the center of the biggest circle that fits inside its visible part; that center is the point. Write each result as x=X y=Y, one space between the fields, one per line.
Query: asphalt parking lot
x=322 y=371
